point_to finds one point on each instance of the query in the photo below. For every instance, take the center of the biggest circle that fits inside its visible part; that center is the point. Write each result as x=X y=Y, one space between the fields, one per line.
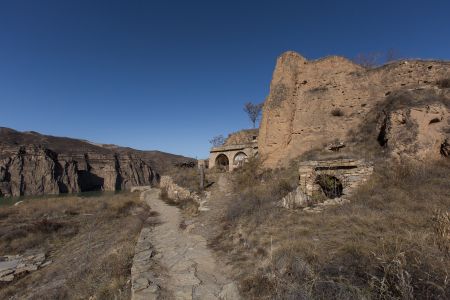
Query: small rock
x=140 y=284
x=229 y=292
x=7 y=278
x=48 y=262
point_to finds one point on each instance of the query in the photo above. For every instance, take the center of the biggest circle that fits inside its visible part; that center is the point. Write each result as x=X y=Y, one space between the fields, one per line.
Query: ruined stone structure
x=232 y=156
x=342 y=174
x=237 y=149
x=312 y=103
x=324 y=183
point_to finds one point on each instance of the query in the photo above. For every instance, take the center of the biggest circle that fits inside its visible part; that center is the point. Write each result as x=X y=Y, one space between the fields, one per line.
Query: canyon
x=35 y=164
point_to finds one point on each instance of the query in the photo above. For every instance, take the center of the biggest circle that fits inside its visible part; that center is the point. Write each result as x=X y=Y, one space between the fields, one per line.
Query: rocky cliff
x=35 y=164
x=403 y=106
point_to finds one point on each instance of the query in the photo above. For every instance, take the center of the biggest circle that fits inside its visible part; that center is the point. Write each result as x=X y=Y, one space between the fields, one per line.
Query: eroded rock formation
x=34 y=164
x=35 y=170
x=418 y=130
x=315 y=103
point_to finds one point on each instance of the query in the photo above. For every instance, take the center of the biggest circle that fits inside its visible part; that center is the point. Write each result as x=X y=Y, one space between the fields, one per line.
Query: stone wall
x=351 y=173
x=309 y=195
x=175 y=192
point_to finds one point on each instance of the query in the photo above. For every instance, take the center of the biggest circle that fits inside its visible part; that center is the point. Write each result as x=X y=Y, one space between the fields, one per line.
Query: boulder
x=296 y=199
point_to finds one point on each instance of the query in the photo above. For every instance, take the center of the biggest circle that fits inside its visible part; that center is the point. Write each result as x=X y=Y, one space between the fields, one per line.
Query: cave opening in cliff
x=90 y=182
x=222 y=162
x=330 y=186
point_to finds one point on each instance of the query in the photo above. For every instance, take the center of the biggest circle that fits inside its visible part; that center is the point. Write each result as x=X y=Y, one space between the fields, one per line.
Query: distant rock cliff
x=332 y=100
x=34 y=164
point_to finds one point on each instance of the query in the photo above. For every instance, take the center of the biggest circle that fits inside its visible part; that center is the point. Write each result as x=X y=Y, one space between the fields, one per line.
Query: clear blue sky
x=169 y=75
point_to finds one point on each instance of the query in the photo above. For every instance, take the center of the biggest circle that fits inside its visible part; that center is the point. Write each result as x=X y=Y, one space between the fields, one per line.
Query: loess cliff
x=403 y=106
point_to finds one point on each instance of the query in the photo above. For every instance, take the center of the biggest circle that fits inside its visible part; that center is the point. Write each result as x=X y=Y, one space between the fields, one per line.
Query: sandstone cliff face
x=419 y=127
x=35 y=164
x=35 y=170
x=314 y=103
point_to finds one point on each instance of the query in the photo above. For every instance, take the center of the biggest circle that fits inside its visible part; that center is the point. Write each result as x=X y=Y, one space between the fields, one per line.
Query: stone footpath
x=192 y=272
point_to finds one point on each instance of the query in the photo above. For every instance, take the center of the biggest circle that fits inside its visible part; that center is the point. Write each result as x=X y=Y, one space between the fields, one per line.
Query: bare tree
x=374 y=59
x=367 y=60
x=253 y=111
x=217 y=141
x=392 y=55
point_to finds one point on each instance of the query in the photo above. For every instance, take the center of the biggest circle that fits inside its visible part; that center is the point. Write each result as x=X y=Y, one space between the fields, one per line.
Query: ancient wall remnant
x=329 y=182
x=333 y=178
x=238 y=148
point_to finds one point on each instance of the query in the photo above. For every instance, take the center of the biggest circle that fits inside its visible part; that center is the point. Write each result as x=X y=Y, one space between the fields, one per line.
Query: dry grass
x=443 y=83
x=391 y=242
x=185 y=177
x=90 y=241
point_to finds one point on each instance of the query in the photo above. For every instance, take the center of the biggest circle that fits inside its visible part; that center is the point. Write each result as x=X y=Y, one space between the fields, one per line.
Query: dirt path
x=193 y=272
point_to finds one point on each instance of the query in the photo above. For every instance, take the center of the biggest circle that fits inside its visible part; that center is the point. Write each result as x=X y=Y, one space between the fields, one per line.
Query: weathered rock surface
x=15 y=265
x=35 y=164
x=314 y=103
x=35 y=170
x=296 y=199
x=420 y=130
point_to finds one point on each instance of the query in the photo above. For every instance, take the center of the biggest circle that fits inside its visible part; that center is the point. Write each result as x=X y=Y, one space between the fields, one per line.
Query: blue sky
x=169 y=75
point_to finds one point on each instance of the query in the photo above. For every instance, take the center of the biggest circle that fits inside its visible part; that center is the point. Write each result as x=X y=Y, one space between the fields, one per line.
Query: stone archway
x=330 y=185
x=239 y=159
x=222 y=162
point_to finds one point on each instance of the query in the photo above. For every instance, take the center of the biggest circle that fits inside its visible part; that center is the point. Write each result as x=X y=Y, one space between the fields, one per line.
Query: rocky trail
x=191 y=270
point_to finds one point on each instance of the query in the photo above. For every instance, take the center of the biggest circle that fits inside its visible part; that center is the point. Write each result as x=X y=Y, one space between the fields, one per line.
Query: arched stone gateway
x=231 y=157
x=222 y=162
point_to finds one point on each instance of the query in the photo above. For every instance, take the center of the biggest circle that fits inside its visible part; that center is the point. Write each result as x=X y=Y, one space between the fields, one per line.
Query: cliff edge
x=403 y=107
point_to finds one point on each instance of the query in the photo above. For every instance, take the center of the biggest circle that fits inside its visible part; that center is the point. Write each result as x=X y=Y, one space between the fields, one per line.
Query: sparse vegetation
x=443 y=83
x=253 y=111
x=368 y=60
x=217 y=141
x=374 y=59
x=90 y=241
x=390 y=242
